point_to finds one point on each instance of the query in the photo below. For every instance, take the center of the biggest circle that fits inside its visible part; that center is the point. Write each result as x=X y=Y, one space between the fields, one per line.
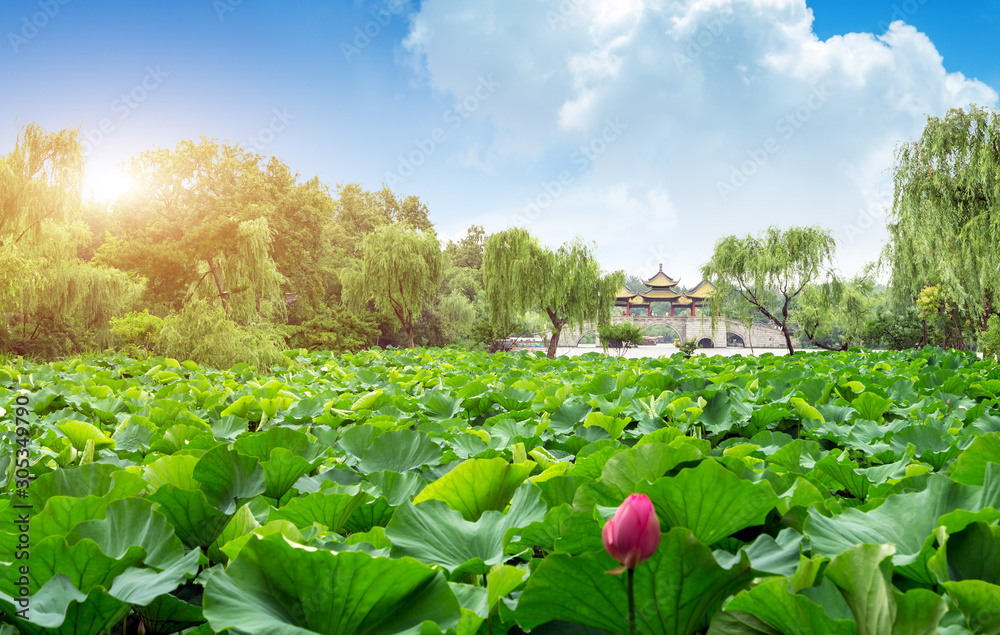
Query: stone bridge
x=698 y=328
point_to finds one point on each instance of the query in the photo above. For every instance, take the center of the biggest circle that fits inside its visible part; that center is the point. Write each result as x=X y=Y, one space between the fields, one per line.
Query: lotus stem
x=631 y=603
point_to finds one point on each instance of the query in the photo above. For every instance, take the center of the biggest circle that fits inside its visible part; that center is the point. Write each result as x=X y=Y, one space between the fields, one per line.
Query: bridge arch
x=667 y=331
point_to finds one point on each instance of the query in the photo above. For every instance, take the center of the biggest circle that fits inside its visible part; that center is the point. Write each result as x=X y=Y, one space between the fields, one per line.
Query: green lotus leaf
x=175 y=469
x=79 y=432
x=908 y=521
x=395 y=487
x=568 y=416
x=970 y=467
x=243 y=408
x=242 y=523
x=623 y=473
x=675 y=590
x=181 y=436
x=970 y=554
x=979 y=601
x=434 y=533
x=399 y=451
x=514 y=399
x=440 y=405
x=858 y=481
x=84 y=565
x=710 y=500
x=168 y=613
x=328 y=508
x=722 y=412
x=196 y=521
x=871 y=406
x=261 y=445
x=789 y=613
x=226 y=476
x=776 y=556
x=477 y=485
x=58 y=608
x=863 y=573
x=284 y=528
x=278 y=588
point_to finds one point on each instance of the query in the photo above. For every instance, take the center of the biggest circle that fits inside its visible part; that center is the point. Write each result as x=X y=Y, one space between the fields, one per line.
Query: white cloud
x=736 y=117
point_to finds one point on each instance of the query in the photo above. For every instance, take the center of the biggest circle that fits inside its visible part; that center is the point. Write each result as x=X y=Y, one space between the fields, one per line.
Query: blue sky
x=650 y=127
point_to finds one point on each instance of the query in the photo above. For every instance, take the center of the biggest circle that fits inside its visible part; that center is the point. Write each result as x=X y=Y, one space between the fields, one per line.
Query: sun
x=105 y=185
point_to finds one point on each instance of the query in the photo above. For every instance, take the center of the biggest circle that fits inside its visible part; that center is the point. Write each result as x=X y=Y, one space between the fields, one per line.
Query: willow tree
x=567 y=284
x=401 y=269
x=944 y=228
x=53 y=299
x=835 y=315
x=198 y=217
x=768 y=271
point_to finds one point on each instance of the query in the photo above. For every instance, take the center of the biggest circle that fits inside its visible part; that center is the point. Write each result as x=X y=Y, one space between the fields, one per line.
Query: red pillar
x=628 y=307
x=671 y=309
x=649 y=309
x=693 y=305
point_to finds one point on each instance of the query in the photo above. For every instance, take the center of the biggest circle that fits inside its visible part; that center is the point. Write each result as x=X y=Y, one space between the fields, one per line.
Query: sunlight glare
x=105 y=185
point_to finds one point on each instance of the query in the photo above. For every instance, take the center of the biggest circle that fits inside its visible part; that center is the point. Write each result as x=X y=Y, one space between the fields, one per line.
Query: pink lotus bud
x=633 y=535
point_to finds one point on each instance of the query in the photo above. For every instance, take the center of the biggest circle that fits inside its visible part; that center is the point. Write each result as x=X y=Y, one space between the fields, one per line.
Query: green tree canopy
x=768 y=271
x=567 y=284
x=944 y=228
x=401 y=270
x=835 y=315
x=51 y=301
x=468 y=251
x=203 y=209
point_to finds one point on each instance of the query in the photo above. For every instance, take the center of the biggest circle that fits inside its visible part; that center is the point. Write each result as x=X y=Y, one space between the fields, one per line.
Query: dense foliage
x=566 y=284
x=769 y=271
x=943 y=225
x=843 y=492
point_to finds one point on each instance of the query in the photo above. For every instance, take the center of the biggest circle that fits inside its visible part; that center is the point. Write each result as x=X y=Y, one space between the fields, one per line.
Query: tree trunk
x=784 y=327
x=554 y=342
x=218 y=285
x=557 y=326
x=408 y=327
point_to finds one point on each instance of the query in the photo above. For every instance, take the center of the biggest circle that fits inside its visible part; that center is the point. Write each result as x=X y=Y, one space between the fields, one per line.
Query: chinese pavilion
x=661 y=289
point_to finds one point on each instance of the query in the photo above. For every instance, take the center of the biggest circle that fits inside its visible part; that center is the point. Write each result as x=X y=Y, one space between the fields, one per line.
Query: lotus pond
x=443 y=491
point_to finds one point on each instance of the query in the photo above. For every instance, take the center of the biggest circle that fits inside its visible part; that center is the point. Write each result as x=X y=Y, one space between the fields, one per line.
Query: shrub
x=203 y=333
x=620 y=337
x=494 y=337
x=336 y=329
x=137 y=329
x=990 y=338
x=687 y=347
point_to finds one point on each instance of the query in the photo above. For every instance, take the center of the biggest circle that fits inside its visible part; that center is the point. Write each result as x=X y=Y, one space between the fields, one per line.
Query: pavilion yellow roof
x=702 y=291
x=660 y=294
x=660 y=281
x=624 y=294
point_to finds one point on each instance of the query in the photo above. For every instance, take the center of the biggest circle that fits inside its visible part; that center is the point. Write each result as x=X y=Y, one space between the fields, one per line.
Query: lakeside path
x=669 y=349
